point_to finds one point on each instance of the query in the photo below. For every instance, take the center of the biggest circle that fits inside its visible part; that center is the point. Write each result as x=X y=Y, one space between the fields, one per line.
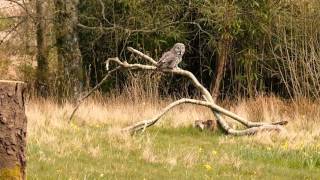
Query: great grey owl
x=172 y=58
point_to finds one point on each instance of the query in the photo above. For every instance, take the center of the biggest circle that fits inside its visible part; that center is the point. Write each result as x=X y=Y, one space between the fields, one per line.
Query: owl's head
x=179 y=49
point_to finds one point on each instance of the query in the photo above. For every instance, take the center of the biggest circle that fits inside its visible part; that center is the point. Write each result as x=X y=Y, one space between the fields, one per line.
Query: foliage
x=257 y=29
x=273 y=44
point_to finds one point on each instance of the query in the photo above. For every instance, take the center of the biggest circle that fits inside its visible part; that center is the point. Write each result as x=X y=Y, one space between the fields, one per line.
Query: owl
x=172 y=58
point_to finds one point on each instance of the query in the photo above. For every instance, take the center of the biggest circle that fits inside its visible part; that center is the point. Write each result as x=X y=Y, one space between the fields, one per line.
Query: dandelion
x=200 y=149
x=285 y=146
x=74 y=126
x=213 y=152
x=208 y=167
x=101 y=175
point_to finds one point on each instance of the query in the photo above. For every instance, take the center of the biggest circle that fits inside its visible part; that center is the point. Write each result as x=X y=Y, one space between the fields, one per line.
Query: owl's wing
x=166 y=59
x=165 y=56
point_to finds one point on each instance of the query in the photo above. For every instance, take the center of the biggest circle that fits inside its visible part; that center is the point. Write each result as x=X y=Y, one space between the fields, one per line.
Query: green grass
x=5 y=23
x=4 y=66
x=164 y=153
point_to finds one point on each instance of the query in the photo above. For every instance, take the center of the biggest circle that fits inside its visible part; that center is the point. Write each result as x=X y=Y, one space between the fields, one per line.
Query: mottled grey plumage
x=172 y=58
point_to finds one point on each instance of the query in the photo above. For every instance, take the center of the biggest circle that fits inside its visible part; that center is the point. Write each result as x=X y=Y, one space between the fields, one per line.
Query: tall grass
x=94 y=147
x=117 y=112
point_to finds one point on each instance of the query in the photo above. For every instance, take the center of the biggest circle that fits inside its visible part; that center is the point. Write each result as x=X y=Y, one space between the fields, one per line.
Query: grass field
x=93 y=148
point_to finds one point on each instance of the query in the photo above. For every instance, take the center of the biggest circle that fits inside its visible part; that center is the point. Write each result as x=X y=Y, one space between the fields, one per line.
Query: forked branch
x=142 y=125
x=252 y=127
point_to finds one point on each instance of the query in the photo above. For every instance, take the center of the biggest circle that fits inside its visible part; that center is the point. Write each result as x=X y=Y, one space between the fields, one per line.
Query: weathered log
x=13 y=130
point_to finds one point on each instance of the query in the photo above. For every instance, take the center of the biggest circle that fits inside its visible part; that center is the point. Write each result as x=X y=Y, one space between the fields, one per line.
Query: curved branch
x=178 y=71
x=142 y=55
x=146 y=123
x=204 y=91
x=253 y=127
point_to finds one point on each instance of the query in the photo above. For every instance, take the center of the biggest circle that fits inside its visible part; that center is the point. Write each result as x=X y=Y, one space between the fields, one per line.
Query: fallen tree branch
x=253 y=127
x=142 y=125
x=196 y=83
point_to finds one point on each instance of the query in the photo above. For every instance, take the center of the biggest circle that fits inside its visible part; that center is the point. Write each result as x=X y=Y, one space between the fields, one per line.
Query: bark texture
x=13 y=130
x=224 y=49
x=42 y=60
x=69 y=55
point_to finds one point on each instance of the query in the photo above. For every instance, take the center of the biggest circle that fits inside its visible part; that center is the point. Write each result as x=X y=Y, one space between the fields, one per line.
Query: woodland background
x=238 y=48
x=260 y=58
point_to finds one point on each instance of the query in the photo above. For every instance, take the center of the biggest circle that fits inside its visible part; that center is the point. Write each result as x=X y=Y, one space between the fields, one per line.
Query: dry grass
x=303 y=116
x=96 y=134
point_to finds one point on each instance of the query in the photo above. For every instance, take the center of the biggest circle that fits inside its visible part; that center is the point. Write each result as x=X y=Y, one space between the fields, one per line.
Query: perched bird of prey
x=172 y=58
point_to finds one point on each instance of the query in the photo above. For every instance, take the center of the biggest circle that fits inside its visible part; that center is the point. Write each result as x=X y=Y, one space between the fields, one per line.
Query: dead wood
x=252 y=127
x=13 y=130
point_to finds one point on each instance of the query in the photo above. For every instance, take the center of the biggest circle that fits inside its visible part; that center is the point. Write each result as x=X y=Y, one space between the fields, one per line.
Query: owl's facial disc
x=179 y=48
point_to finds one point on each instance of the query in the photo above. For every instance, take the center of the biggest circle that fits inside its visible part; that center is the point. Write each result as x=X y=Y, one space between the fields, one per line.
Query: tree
x=13 y=130
x=42 y=57
x=69 y=57
x=224 y=48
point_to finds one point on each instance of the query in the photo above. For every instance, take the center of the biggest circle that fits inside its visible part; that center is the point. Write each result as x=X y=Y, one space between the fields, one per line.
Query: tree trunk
x=224 y=49
x=13 y=129
x=69 y=56
x=42 y=69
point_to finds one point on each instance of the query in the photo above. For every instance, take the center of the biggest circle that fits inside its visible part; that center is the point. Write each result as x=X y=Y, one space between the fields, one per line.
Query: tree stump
x=13 y=130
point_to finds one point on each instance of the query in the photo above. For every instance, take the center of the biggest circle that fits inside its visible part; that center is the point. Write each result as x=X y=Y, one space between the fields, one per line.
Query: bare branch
x=13 y=29
x=253 y=127
x=147 y=123
x=209 y=102
x=182 y=72
x=12 y=17
x=80 y=101
x=23 y=5
x=142 y=55
x=114 y=27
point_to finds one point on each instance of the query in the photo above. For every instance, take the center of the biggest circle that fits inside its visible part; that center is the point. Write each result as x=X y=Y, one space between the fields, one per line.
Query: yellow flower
x=208 y=167
x=285 y=146
x=214 y=152
x=74 y=126
x=200 y=149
